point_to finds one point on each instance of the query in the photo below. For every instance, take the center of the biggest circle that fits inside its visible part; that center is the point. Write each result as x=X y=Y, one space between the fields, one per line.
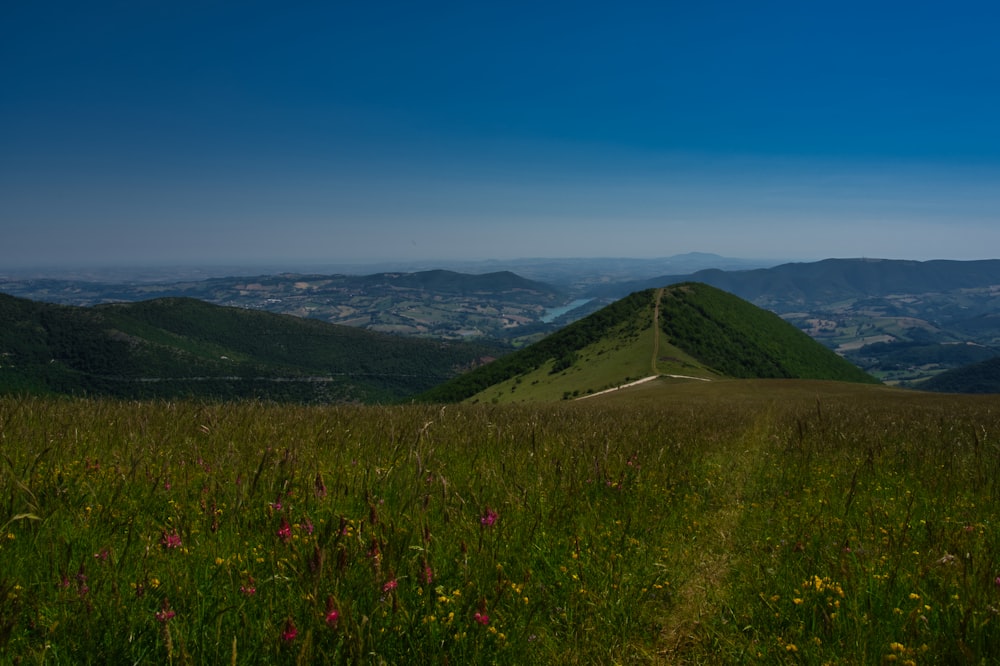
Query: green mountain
x=902 y=321
x=688 y=331
x=982 y=377
x=173 y=347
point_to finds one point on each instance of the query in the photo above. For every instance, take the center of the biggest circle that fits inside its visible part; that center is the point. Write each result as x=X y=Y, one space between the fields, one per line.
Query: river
x=555 y=313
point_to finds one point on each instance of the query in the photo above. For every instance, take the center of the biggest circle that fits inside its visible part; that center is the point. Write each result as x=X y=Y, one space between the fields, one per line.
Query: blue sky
x=156 y=132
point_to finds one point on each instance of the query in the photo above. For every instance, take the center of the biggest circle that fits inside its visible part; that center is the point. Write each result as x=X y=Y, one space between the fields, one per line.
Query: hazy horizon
x=158 y=134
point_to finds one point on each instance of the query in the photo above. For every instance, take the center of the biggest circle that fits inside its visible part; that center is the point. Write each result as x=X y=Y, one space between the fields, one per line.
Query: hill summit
x=686 y=331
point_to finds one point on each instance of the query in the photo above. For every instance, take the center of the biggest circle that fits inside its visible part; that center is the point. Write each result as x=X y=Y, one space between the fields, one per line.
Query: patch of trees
x=983 y=377
x=740 y=340
x=903 y=355
x=181 y=347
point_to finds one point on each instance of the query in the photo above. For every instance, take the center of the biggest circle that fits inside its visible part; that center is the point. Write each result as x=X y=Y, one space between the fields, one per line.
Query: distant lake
x=555 y=313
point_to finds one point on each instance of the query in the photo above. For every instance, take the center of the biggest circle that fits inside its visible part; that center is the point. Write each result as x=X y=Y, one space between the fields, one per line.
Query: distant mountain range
x=832 y=280
x=561 y=271
x=902 y=321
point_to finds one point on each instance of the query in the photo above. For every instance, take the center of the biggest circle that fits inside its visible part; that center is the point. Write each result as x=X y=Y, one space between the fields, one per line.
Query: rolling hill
x=686 y=331
x=183 y=347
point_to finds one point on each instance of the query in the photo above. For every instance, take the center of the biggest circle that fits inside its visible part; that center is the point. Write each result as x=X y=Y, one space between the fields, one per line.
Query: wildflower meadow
x=759 y=523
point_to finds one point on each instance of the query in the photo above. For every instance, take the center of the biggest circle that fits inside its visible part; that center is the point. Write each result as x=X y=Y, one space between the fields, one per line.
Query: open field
x=675 y=522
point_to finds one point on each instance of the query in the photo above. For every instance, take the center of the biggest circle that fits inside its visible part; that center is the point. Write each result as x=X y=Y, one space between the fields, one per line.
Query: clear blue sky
x=165 y=131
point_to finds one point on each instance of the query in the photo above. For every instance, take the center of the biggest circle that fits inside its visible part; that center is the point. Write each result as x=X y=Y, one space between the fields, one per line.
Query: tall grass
x=736 y=528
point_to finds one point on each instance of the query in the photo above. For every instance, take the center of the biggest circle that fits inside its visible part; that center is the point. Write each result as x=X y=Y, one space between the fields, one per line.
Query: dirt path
x=617 y=388
x=704 y=590
x=656 y=354
x=656 y=329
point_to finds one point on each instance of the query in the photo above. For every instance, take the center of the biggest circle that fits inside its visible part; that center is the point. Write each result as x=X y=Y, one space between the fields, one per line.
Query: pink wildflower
x=481 y=618
x=332 y=614
x=390 y=586
x=290 y=632
x=172 y=540
x=285 y=531
x=488 y=518
x=165 y=613
x=427 y=575
x=248 y=590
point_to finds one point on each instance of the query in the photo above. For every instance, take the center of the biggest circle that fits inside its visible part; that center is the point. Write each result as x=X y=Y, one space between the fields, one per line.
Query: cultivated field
x=731 y=521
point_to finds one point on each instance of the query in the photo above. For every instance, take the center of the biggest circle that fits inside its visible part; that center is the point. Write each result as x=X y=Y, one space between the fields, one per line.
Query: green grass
x=777 y=521
x=607 y=363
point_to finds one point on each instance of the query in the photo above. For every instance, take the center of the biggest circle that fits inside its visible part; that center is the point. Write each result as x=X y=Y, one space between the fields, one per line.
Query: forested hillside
x=740 y=340
x=982 y=377
x=184 y=347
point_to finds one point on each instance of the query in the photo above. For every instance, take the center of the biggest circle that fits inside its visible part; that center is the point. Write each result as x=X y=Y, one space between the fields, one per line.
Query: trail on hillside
x=656 y=329
x=618 y=388
x=655 y=373
x=706 y=558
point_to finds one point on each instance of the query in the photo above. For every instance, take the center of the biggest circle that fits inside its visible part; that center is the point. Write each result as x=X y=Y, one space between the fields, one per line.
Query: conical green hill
x=685 y=331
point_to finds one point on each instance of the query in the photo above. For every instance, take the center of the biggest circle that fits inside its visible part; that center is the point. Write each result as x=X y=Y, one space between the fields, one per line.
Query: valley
x=901 y=321
x=431 y=304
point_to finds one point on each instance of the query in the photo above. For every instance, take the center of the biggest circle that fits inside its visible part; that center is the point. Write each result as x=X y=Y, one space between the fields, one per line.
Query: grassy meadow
x=774 y=521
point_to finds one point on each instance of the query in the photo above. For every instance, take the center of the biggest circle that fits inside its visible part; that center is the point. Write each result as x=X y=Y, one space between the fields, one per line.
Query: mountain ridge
x=836 y=278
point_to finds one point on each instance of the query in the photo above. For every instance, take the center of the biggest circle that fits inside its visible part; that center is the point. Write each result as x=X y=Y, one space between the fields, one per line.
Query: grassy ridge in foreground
x=774 y=521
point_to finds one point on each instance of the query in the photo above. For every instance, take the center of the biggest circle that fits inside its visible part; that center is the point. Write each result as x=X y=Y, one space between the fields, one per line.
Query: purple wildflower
x=488 y=518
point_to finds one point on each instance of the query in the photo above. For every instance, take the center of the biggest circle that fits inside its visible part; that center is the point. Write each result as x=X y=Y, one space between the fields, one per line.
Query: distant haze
x=159 y=133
